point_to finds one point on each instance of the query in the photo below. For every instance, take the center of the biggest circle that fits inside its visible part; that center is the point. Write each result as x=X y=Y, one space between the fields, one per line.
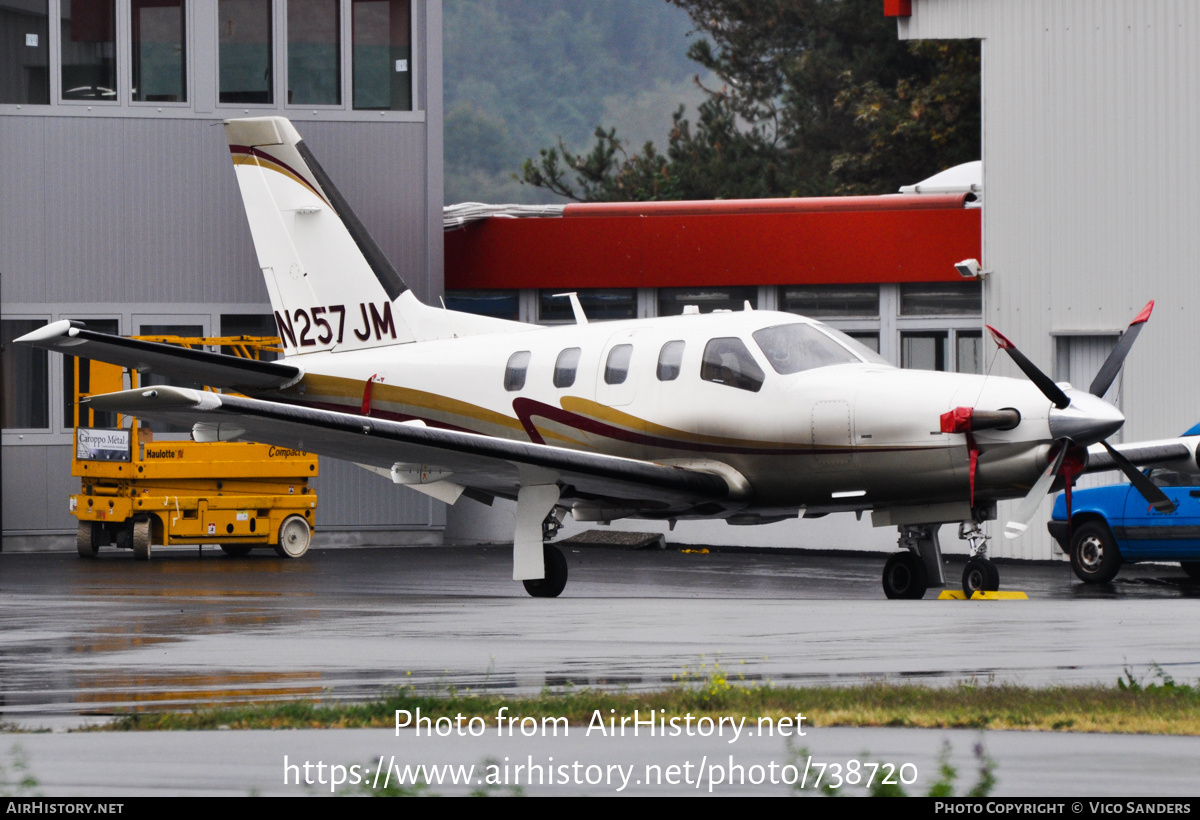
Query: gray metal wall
x=127 y=210
x=1090 y=130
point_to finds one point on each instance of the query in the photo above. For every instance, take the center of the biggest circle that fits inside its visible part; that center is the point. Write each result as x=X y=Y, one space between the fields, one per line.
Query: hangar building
x=1090 y=121
x=121 y=207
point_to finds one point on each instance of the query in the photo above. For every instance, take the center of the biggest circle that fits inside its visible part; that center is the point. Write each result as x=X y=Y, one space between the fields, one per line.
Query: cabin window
x=670 y=358
x=565 y=367
x=797 y=347
x=616 y=369
x=514 y=374
x=728 y=361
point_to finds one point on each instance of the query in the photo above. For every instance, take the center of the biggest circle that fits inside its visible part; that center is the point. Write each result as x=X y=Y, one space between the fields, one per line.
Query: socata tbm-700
x=751 y=416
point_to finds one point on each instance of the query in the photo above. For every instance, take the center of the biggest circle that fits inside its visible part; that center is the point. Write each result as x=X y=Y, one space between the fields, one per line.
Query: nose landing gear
x=980 y=574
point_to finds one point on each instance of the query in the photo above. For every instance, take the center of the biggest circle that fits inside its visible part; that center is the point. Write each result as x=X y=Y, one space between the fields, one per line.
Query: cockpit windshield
x=793 y=348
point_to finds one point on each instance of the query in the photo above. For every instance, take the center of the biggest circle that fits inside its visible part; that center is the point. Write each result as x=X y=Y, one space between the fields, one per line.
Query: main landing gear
x=538 y=565
x=552 y=585
x=909 y=574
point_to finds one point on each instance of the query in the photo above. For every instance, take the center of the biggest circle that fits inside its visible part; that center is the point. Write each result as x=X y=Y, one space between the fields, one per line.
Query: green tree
x=816 y=97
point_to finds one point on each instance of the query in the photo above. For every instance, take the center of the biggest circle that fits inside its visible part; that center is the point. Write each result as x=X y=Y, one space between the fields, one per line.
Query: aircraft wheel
x=1192 y=568
x=1094 y=554
x=905 y=576
x=87 y=539
x=980 y=575
x=556 y=575
x=294 y=537
x=236 y=550
x=141 y=540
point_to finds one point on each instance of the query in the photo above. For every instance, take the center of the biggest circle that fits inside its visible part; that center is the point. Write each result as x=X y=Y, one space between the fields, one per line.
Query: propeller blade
x=1029 y=506
x=1044 y=383
x=1112 y=365
x=1149 y=490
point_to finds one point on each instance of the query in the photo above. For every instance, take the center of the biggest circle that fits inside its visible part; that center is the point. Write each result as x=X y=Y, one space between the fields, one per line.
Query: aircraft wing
x=216 y=369
x=485 y=465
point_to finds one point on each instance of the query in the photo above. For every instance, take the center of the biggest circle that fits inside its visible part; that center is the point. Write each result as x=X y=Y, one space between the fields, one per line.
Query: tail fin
x=331 y=286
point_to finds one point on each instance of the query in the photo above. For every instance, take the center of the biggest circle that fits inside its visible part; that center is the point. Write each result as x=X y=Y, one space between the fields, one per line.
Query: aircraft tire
x=556 y=575
x=141 y=540
x=980 y=575
x=87 y=540
x=236 y=550
x=1192 y=568
x=294 y=537
x=1095 y=558
x=905 y=577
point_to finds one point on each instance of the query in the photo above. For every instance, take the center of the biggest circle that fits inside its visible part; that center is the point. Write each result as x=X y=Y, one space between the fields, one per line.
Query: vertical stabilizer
x=331 y=286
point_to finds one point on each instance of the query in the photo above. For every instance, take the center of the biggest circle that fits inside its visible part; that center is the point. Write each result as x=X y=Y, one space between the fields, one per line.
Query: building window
x=671 y=301
x=25 y=404
x=261 y=325
x=244 y=46
x=85 y=366
x=156 y=332
x=514 y=373
x=968 y=351
x=24 y=54
x=941 y=299
x=89 y=50
x=314 y=55
x=923 y=350
x=615 y=303
x=868 y=340
x=824 y=301
x=502 y=304
x=159 y=54
x=381 y=50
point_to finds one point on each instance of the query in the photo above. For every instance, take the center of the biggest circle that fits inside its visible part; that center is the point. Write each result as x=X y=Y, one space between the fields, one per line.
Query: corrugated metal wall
x=1090 y=129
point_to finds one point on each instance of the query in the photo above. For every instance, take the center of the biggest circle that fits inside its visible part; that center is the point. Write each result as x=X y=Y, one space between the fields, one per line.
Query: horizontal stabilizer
x=201 y=366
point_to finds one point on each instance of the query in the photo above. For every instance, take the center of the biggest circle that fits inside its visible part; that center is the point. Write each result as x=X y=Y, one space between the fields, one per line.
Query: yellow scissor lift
x=137 y=492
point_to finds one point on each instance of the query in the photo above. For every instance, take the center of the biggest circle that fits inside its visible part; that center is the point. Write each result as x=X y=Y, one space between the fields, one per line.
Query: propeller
x=1078 y=420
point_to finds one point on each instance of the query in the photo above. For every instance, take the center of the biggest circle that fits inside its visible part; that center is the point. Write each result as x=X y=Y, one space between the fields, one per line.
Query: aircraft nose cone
x=1087 y=420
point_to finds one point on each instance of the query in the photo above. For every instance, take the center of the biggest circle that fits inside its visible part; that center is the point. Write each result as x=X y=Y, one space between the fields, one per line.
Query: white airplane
x=752 y=416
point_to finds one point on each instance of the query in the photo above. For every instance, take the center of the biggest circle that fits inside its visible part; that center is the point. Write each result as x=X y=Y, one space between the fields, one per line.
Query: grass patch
x=1163 y=707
